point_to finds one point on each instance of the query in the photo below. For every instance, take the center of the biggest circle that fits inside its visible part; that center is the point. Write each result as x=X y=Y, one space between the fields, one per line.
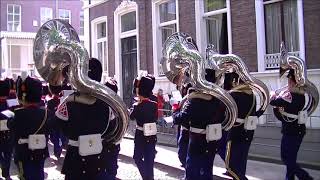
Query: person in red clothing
x=160 y=102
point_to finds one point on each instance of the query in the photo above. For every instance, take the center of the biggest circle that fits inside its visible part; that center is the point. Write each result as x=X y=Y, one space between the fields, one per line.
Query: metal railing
x=272 y=60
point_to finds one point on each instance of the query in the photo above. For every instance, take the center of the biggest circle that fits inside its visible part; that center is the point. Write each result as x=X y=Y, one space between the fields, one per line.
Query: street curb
x=268 y=159
x=257 y=157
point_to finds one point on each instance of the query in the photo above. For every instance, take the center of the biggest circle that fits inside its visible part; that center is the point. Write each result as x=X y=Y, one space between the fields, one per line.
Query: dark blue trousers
x=112 y=157
x=183 y=143
x=239 y=141
x=199 y=167
x=222 y=145
x=144 y=154
x=55 y=138
x=290 y=145
x=5 y=160
x=200 y=157
x=32 y=170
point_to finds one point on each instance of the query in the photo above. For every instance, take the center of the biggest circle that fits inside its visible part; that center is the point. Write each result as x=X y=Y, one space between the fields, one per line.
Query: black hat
x=95 y=69
x=112 y=84
x=145 y=85
x=4 y=87
x=55 y=89
x=229 y=78
x=29 y=90
x=291 y=75
x=210 y=75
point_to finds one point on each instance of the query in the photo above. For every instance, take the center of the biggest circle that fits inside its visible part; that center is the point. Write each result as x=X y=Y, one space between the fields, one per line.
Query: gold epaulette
x=298 y=90
x=199 y=95
x=242 y=88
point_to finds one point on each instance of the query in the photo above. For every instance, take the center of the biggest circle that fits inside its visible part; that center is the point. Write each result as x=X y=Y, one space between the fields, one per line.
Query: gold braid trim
x=233 y=174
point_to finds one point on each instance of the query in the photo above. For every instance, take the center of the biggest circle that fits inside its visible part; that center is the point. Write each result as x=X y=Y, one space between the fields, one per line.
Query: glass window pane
x=290 y=21
x=166 y=31
x=100 y=48
x=278 y=30
x=16 y=17
x=167 y=11
x=101 y=30
x=272 y=15
x=105 y=56
x=10 y=9
x=217 y=32
x=211 y=5
x=128 y=21
x=10 y=27
x=10 y=17
x=16 y=26
x=17 y=9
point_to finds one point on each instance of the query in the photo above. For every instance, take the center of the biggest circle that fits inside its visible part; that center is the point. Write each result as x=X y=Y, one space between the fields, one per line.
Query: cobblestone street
x=167 y=166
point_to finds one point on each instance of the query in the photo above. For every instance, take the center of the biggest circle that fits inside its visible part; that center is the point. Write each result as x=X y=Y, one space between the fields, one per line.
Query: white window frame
x=81 y=12
x=124 y=8
x=64 y=11
x=156 y=32
x=44 y=18
x=95 y=41
x=260 y=29
x=201 y=30
x=13 y=14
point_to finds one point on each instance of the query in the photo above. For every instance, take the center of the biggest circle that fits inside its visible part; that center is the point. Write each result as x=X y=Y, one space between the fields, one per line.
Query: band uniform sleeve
x=282 y=101
x=183 y=115
x=133 y=111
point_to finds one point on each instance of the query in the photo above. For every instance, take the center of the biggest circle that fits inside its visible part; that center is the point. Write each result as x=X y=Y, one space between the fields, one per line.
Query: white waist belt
x=293 y=116
x=184 y=128
x=23 y=141
x=239 y=120
x=197 y=130
x=76 y=143
x=73 y=143
x=139 y=128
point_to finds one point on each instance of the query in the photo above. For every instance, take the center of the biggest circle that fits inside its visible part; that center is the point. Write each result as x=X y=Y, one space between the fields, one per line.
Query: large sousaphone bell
x=288 y=62
x=233 y=63
x=179 y=55
x=56 y=46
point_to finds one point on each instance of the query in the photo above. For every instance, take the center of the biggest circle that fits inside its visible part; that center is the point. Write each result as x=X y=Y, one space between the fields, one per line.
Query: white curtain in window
x=290 y=14
x=274 y=23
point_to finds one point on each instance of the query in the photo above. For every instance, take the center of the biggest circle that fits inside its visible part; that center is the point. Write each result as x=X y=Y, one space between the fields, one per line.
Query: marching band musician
x=30 y=127
x=145 y=113
x=199 y=112
x=83 y=120
x=288 y=106
x=5 y=136
x=240 y=136
x=112 y=149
